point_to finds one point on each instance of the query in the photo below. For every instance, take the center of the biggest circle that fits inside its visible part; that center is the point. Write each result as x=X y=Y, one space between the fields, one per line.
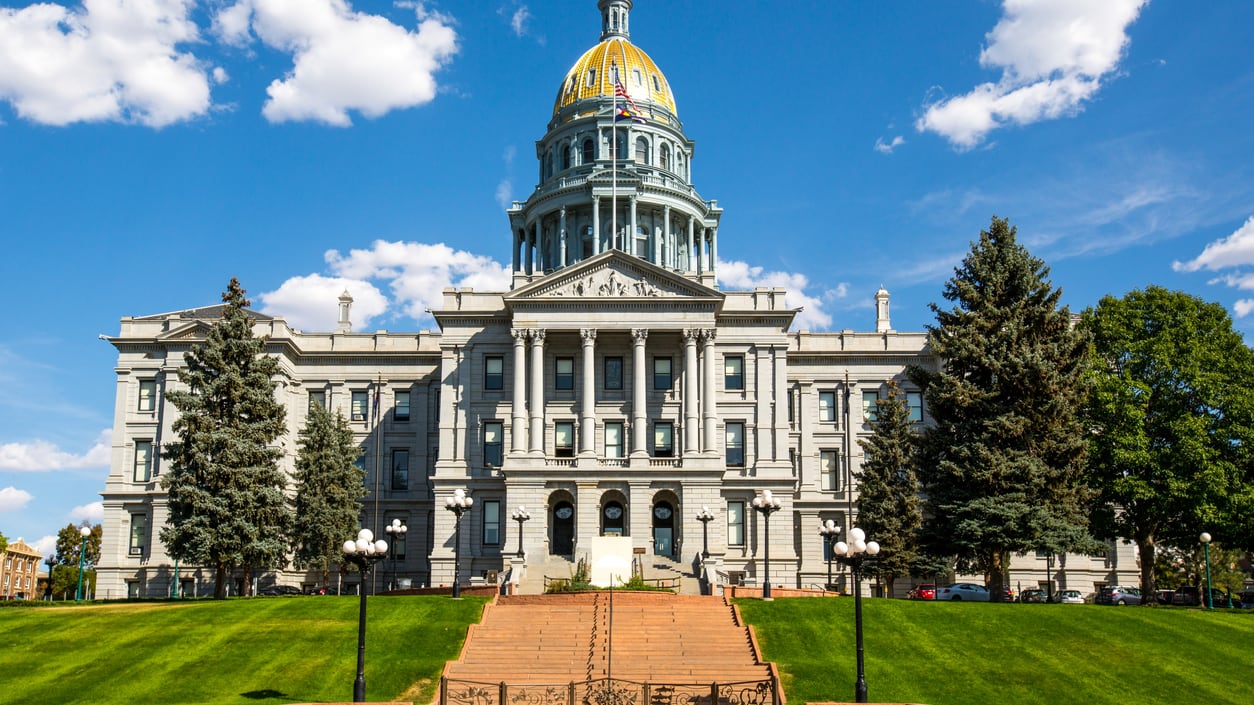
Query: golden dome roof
x=592 y=76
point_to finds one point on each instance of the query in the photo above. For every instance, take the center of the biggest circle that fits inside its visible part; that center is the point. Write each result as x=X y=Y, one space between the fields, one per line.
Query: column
x=540 y=258
x=691 y=440
x=709 y=424
x=692 y=251
x=537 y=391
x=714 y=252
x=517 y=247
x=701 y=252
x=638 y=424
x=630 y=241
x=596 y=225
x=561 y=260
x=587 y=405
x=519 y=431
x=529 y=256
x=668 y=241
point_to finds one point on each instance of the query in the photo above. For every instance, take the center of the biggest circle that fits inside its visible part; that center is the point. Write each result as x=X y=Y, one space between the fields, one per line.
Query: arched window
x=664 y=157
x=642 y=150
x=566 y=157
x=588 y=151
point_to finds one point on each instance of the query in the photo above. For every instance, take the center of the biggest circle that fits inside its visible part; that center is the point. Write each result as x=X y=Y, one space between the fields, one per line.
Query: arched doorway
x=612 y=519
x=664 y=529
x=563 y=522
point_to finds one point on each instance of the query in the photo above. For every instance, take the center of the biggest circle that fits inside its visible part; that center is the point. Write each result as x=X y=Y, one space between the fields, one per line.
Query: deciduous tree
x=888 y=488
x=69 y=543
x=329 y=488
x=226 y=491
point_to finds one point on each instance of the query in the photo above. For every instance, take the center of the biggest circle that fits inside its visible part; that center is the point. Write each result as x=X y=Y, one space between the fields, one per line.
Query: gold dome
x=591 y=77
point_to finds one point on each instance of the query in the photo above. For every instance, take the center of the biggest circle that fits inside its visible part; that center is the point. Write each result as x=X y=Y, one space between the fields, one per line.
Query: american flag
x=621 y=92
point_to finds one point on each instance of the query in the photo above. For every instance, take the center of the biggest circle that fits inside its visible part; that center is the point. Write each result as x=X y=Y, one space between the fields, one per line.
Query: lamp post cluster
x=363 y=553
x=520 y=515
x=397 y=531
x=855 y=554
x=82 y=554
x=829 y=531
x=458 y=504
x=766 y=504
x=705 y=517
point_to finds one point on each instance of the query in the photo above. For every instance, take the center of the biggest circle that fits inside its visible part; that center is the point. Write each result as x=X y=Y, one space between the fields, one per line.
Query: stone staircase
x=658 y=638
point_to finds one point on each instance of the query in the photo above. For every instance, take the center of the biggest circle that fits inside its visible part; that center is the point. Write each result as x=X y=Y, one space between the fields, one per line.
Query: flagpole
x=614 y=163
x=378 y=450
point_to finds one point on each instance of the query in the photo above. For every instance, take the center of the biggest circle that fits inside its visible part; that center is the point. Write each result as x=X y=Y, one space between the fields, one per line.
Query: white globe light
x=363 y=546
x=470 y=502
x=856 y=534
x=857 y=546
x=872 y=548
x=841 y=548
x=1205 y=537
x=766 y=494
x=350 y=547
x=84 y=532
x=448 y=501
x=380 y=546
x=365 y=535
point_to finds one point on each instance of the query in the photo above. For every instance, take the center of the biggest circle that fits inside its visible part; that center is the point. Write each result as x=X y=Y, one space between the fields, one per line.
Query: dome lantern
x=614 y=18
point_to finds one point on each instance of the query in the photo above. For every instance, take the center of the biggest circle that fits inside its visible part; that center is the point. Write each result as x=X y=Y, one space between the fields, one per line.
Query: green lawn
x=1008 y=654
x=304 y=649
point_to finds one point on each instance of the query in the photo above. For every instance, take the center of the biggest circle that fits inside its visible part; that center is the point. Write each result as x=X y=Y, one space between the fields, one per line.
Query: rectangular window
x=492 y=523
x=613 y=439
x=613 y=373
x=564 y=373
x=139 y=534
x=359 y=405
x=400 y=411
x=735 y=523
x=494 y=372
x=661 y=373
x=318 y=398
x=914 y=400
x=493 y=443
x=664 y=439
x=733 y=372
x=564 y=439
x=869 y=410
x=827 y=406
x=735 y=444
x=400 y=469
x=829 y=470
x=143 y=461
x=147 y=395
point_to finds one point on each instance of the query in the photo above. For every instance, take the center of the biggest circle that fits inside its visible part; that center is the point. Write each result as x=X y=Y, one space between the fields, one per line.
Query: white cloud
x=1236 y=250
x=415 y=273
x=106 y=60
x=13 y=499
x=518 y=21
x=39 y=455
x=736 y=275
x=1053 y=54
x=887 y=147
x=47 y=546
x=505 y=189
x=313 y=302
x=220 y=75
x=342 y=60
x=1243 y=307
x=92 y=512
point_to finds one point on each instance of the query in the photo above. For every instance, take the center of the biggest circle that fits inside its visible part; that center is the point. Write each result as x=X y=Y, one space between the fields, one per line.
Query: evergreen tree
x=1172 y=415
x=1002 y=468
x=888 y=488
x=226 y=491
x=329 y=489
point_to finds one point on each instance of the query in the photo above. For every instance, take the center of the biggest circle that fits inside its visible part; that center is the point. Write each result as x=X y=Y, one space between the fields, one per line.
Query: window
x=661 y=373
x=734 y=372
x=735 y=523
x=664 y=157
x=914 y=400
x=318 y=398
x=657 y=85
x=400 y=411
x=829 y=467
x=494 y=372
x=642 y=151
x=613 y=373
x=639 y=79
x=588 y=154
x=493 y=445
x=359 y=406
x=869 y=411
x=564 y=439
x=147 y=395
x=400 y=469
x=492 y=523
x=564 y=373
x=592 y=78
x=139 y=534
x=664 y=439
x=613 y=439
x=827 y=406
x=735 y=444
x=143 y=461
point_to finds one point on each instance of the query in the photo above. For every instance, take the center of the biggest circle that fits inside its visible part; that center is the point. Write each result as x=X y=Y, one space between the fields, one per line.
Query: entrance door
x=664 y=530
x=612 y=519
x=563 y=529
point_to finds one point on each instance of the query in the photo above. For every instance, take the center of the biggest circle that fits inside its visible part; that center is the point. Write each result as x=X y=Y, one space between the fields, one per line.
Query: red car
x=922 y=591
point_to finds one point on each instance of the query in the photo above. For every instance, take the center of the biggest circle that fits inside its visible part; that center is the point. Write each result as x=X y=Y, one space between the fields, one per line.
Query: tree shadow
x=266 y=694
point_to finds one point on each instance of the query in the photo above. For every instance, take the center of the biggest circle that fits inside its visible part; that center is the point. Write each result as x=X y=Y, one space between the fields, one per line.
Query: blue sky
x=152 y=149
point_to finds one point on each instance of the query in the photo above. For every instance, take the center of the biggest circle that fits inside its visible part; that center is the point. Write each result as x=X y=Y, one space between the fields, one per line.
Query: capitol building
x=614 y=391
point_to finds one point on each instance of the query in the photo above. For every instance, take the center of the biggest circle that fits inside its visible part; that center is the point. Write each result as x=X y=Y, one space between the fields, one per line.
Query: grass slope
x=261 y=650
x=1008 y=654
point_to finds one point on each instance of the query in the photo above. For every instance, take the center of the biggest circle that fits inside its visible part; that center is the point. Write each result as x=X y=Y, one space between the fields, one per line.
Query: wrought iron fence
x=609 y=691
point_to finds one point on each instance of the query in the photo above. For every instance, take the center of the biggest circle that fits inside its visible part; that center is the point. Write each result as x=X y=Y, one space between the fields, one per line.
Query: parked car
x=1032 y=595
x=1009 y=595
x=963 y=591
x=1165 y=597
x=922 y=591
x=323 y=590
x=1118 y=595
x=1191 y=595
x=276 y=590
x=1069 y=597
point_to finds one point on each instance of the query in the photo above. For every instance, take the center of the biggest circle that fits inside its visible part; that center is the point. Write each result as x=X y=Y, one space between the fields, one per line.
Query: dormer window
x=592 y=77
x=639 y=77
x=657 y=85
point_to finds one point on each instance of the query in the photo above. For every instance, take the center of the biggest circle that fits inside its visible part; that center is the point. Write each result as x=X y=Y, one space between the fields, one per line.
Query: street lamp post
x=397 y=531
x=48 y=587
x=520 y=515
x=766 y=505
x=829 y=530
x=458 y=504
x=1205 y=539
x=855 y=554
x=363 y=553
x=82 y=554
x=1049 y=580
x=705 y=517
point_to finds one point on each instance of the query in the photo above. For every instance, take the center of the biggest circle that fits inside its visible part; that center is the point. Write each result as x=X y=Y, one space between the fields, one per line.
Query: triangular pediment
x=193 y=330
x=616 y=275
